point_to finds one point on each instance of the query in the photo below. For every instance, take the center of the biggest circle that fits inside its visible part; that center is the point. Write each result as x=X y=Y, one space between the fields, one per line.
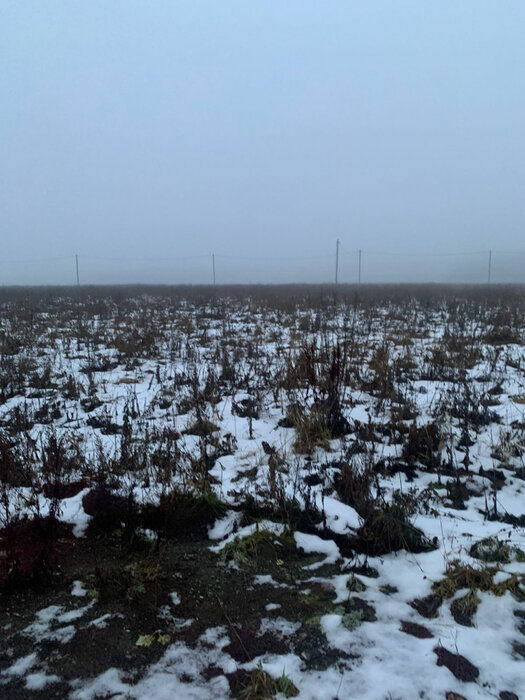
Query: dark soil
x=416 y=630
x=520 y=614
x=131 y=585
x=519 y=649
x=461 y=667
x=427 y=607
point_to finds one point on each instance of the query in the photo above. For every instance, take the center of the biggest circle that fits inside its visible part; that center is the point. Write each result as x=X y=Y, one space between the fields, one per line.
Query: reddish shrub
x=31 y=549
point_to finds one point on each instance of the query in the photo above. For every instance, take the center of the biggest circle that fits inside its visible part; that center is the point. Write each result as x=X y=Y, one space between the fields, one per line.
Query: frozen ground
x=368 y=460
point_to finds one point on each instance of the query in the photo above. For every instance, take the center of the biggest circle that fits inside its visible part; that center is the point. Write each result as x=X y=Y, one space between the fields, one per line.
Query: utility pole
x=359 y=269
x=336 y=260
x=213 y=265
x=76 y=263
x=490 y=266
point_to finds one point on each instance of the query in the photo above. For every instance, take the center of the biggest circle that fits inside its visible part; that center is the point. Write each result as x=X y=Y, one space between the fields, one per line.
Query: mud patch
x=427 y=607
x=415 y=630
x=461 y=667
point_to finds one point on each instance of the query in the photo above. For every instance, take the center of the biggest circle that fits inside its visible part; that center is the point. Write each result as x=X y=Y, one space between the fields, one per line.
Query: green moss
x=352 y=619
x=492 y=549
x=245 y=549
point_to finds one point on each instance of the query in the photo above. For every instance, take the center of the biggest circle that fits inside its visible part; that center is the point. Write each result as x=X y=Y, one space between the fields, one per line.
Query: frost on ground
x=263 y=494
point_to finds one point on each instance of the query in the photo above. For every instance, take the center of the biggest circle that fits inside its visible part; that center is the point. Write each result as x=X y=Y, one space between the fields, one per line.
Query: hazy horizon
x=146 y=137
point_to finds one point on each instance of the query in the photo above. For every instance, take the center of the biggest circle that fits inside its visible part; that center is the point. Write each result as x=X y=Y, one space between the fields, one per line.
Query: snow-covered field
x=331 y=490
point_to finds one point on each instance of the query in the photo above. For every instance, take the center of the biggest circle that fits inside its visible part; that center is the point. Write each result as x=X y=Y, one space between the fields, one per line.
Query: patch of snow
x=44 y=627
x=101 y=622
x=78 y=589
x=72 y=511
x=74 y=614
x=148 y=534
x=107 y=684
x=268 y=579
x=264 y=525
x=340 y=518
x=313 y=544
x=224 y=526
x=22 y=665
x=38 y=681
x=278 y=626
x=168 y=677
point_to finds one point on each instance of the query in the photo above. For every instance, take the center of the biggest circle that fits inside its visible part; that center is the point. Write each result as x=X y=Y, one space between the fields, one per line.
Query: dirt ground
x=128 y=596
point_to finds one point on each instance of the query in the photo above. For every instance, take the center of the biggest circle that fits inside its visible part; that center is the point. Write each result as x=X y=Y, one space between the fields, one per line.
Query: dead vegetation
x=134 y=398
x=192 y=349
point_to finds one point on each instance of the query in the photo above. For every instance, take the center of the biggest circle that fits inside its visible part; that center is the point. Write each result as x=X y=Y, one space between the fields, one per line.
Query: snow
x=78 y=589
x=22 y=665
x=73 y=512
x=101 y=622
x=313 y=543
x=225 y=526
x=340 y=517
x=107 y=684
x=384 y=661
x=263 y=525
x=268 y=580
x=38 y=681
x=74 y=614
x=168 y=677
x=46 y=625
x=280 y=627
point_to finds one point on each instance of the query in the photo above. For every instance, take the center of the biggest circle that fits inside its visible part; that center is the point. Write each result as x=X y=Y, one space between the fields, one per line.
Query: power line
x=35 y=260
x=413 y=253
x=145 y=259
x=358 y=254
x=267 y=258
x=258 y=258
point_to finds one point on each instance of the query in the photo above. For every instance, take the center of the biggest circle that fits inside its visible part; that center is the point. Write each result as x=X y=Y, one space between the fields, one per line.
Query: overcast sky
x=261 y=131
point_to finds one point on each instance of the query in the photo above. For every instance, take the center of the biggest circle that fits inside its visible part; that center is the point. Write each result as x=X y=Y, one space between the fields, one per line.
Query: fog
x=146 y=137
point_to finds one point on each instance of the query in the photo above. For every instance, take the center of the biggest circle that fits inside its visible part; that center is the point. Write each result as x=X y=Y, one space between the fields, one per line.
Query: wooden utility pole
x=336 y=260
x=490 y=266
x=359 y=268
x=76 y=263
x=213 y=265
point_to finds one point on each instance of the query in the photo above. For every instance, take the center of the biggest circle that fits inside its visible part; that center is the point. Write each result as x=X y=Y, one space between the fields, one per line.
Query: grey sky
x=263 y=130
